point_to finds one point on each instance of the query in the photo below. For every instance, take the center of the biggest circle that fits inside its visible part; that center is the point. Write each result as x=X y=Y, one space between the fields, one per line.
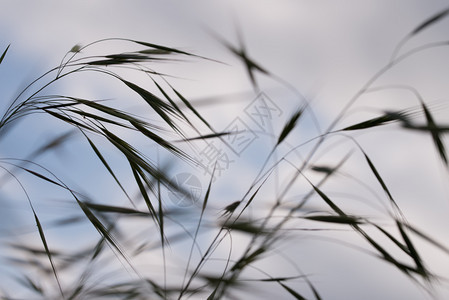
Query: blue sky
x=324 y=49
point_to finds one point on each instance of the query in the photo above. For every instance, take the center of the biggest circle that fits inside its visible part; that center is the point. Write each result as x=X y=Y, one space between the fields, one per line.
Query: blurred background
x=323 y=51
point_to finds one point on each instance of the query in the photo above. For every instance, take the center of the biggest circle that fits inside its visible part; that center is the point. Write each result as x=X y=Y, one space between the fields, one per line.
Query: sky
x=325 y=50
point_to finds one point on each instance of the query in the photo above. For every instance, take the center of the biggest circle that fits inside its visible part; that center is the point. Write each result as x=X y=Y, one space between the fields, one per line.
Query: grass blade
x=44 y=242
x=160 y=141
x=382 y=120
x=42 y=177
x=104 y=232
x=106 y=165
x=381 y=182
x=229 y=209
x=292 y=292
x=290 y=125
x=328 y=201
x=190 y=106
x=138 y=175
x=4 y=53
x=393 y=239
x=413 y=252
x=66 y=119
x=435 y=133
x=212 y=295
x=203 y=208
x=241 y=53
x=159 y=106
x=172 y=103
x=248 y=259
x=114 y=209
x=105 y=109
x=245 y=227
x=435 y=18
x=208 y=136
x=427 y=238
x=54 y=143
x=350 y=220
x=206 y=196
x=155 y=102
x=163 y=48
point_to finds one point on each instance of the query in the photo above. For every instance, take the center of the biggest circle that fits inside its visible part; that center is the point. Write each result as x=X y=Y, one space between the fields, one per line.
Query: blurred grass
x=134 y=254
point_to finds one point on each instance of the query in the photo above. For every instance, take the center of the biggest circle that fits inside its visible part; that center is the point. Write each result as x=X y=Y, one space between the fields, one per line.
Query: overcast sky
x=326 y=50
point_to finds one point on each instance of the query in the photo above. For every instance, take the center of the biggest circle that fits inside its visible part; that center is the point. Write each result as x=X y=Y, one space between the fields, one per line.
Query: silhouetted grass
x=134 y=254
